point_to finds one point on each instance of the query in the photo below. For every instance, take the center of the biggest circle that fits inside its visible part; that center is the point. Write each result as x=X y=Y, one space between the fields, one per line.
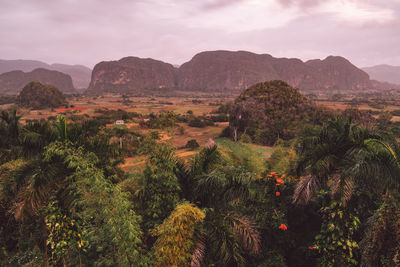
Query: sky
x=367 y=32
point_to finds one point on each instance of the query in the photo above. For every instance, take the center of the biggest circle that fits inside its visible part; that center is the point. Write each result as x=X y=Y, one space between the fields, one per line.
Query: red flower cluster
x=278 y=194
x=283 y=227
x=279 y=181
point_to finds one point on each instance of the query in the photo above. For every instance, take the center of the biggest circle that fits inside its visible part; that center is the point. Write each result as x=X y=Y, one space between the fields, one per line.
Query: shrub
x=245 y=138
x=196 y=122
x=192 y=144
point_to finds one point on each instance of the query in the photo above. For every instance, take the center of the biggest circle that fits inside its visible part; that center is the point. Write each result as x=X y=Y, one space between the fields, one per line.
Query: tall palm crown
x=331 y=156
x=217 y=187
x=345 y=157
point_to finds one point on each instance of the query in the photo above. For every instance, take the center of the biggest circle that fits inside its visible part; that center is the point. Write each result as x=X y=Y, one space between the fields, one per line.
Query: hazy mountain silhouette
x=80 y=74
x=384 y=73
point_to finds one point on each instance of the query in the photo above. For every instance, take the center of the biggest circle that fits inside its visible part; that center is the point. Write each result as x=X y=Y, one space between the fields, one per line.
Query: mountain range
x=13 y=81
x=214 y=71
x=384 y=73
x=80 y=74
x=210 y=71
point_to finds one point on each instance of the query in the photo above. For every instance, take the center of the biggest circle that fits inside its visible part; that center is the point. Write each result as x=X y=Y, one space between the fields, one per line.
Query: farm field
x=254 y=155
x=90 y=106
x=144 y=105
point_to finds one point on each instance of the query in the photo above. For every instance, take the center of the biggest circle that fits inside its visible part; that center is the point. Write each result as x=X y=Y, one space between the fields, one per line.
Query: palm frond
x=342 y=186
x=305 y=189
x=199 y=250
x=204 y=160
x=246 y=231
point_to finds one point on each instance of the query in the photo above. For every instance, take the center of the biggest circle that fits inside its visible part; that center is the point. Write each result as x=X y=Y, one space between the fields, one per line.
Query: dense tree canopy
x=327 y=196
x=271 y=110
x=39 y=96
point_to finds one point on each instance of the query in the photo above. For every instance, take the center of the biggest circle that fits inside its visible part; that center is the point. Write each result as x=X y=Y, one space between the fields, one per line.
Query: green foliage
x=160 y=121
x=214 y=185
x=28 y=258
x=282 y=160
x=63 y=240
x=381 y=243
x=192 y=144
x=249 y=156
x=160 y=192
x=335 y=242
x=174 y=245
x=200 y=122
x=61 y=126
x=64 y=201
x=273 y=110
x=286 y=230
x=39 y=96
x=109 y=225
x=245 y=138
x=384 y=120
x=326 y=155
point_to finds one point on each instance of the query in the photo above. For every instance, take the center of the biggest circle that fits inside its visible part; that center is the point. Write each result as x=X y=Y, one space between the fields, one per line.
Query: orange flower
x=283 y=227
x=273 y=173
x=269 y=175
x=283 y=176
x=279 y=180
x=259 y=176
x=278 y=194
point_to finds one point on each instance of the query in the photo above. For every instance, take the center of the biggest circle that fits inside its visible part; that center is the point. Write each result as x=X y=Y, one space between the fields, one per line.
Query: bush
x=226 y=132
x=220 y=118
x=192 y=144
x=196 y=122
x=245 y=138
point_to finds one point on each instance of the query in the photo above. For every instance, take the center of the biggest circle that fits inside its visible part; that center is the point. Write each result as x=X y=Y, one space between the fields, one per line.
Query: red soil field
x=70 y=109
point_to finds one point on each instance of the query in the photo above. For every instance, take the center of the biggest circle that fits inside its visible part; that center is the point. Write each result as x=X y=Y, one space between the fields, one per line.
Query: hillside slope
x=132 y=74
x=384 y=73
x=12 y=82
x=80 y=74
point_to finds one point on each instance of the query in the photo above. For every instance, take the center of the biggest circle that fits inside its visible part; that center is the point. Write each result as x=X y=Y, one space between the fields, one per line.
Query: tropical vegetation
x=328 y=195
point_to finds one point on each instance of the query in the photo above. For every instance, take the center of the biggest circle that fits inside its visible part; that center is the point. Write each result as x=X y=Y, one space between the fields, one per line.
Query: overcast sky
x=367 y=32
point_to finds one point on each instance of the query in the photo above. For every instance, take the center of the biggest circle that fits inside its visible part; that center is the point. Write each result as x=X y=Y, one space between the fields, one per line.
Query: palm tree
x=344 y=157
x=62 y=128
x=12 y=121
x=377 y=168
x=327 y=159
x=35 y=135
x=9 y=131
x=216 y=187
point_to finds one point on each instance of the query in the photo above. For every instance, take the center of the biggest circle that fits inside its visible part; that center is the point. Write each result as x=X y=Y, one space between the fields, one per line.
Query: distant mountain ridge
x=384 y=73
x=80 y=74
x=14 y=81
x=132 y=72
x=213 y=71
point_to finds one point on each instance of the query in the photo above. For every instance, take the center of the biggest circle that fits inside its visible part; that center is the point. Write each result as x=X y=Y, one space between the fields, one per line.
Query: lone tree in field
x=39 y=96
